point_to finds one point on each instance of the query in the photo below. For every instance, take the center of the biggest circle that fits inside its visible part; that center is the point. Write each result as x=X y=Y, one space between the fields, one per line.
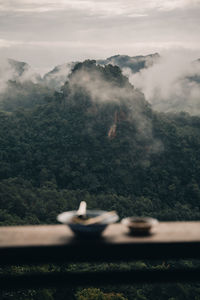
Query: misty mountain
x=57 y=77
x=18 y=71
x=97 y=123
x=169 y=83
x=134 y=63
x=100 y=135
x=151 y=74
x=20 y=86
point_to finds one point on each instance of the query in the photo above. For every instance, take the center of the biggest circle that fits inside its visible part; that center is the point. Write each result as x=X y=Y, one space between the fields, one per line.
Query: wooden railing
x=57 y=244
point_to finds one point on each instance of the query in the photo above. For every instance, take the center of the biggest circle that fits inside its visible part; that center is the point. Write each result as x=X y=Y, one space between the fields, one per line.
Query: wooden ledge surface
x=57 y=235
x=56 y=243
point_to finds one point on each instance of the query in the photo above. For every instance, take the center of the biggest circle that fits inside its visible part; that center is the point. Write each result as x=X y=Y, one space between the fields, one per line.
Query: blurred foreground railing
x=57 y=244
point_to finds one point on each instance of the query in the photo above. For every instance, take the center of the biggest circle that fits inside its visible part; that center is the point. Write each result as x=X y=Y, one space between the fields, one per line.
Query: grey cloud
x=118 y=6
x=52 y=32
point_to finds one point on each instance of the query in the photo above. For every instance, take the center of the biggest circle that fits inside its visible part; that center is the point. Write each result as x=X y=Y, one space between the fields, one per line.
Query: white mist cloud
x=58 y=76
x=98 y=88
x=167 y=85
x=29 y=75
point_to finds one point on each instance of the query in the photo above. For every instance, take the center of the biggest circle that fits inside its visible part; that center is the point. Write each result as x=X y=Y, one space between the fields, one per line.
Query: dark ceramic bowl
x=140 y=225
x=92 y=230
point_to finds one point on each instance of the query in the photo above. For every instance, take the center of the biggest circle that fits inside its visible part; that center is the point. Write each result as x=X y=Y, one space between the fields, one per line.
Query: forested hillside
x=98 y=140
x=99 y=135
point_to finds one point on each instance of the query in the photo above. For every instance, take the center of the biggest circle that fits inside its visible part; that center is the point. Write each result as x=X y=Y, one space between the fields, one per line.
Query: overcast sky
x=45 y=33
